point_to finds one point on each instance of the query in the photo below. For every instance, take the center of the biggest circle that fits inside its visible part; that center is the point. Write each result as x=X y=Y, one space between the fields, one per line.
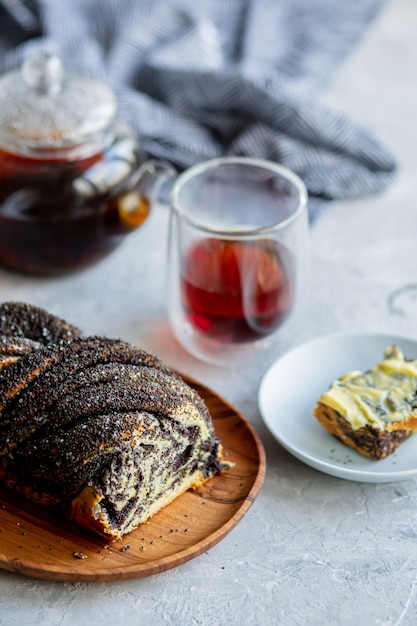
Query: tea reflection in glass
x=238 y=258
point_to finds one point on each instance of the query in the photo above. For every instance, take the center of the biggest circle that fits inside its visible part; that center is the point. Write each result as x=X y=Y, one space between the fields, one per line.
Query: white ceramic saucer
x=288 y=394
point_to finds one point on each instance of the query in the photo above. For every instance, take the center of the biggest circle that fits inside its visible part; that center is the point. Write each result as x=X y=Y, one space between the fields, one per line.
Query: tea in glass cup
x=238 y=258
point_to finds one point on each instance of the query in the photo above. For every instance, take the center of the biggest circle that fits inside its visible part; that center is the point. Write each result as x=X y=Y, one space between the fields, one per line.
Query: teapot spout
x=145 y=186
x=151 y=176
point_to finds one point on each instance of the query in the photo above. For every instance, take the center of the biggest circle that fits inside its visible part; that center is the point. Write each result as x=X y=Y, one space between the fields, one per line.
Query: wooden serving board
x=36 y=543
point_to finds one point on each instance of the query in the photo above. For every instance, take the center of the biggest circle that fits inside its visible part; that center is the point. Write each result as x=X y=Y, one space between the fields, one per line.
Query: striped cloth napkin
x=202 y=78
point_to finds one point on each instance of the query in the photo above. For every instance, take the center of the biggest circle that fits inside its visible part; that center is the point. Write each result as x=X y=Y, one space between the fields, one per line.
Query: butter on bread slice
x=373 y=411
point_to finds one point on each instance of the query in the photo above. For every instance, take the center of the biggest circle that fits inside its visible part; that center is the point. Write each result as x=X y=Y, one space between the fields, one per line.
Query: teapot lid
x=47 y=111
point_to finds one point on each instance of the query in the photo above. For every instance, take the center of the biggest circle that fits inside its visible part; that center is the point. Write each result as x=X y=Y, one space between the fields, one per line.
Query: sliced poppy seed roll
x=95 y=428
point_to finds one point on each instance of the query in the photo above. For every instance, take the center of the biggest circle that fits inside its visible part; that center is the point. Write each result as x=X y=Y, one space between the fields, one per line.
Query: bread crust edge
x=87 y=508
x=368 y=440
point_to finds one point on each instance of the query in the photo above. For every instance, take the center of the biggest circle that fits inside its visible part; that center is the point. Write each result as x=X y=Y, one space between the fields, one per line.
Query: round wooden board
x=36 y=543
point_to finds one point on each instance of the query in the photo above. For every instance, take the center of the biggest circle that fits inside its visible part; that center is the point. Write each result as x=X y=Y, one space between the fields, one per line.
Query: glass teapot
x=72 y=182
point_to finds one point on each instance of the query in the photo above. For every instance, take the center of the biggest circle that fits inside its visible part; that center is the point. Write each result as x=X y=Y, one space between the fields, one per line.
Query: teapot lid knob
x=43 y=71
x=47 y=111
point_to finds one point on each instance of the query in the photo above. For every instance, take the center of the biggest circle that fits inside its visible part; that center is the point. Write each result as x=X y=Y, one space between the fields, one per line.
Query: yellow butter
x=384 y=394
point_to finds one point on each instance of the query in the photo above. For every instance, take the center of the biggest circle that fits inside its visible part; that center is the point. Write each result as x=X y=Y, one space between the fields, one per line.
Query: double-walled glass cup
x=238 y=259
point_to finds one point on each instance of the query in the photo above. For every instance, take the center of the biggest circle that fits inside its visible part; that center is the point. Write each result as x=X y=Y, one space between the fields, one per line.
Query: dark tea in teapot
x=53 y=218
x=72 y=183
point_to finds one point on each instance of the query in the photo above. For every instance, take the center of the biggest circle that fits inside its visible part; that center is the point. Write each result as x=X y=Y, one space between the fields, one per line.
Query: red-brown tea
x=237 y=291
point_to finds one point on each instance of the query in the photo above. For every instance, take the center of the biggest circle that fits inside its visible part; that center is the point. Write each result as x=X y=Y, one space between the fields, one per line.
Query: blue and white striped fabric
x=204 y=78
